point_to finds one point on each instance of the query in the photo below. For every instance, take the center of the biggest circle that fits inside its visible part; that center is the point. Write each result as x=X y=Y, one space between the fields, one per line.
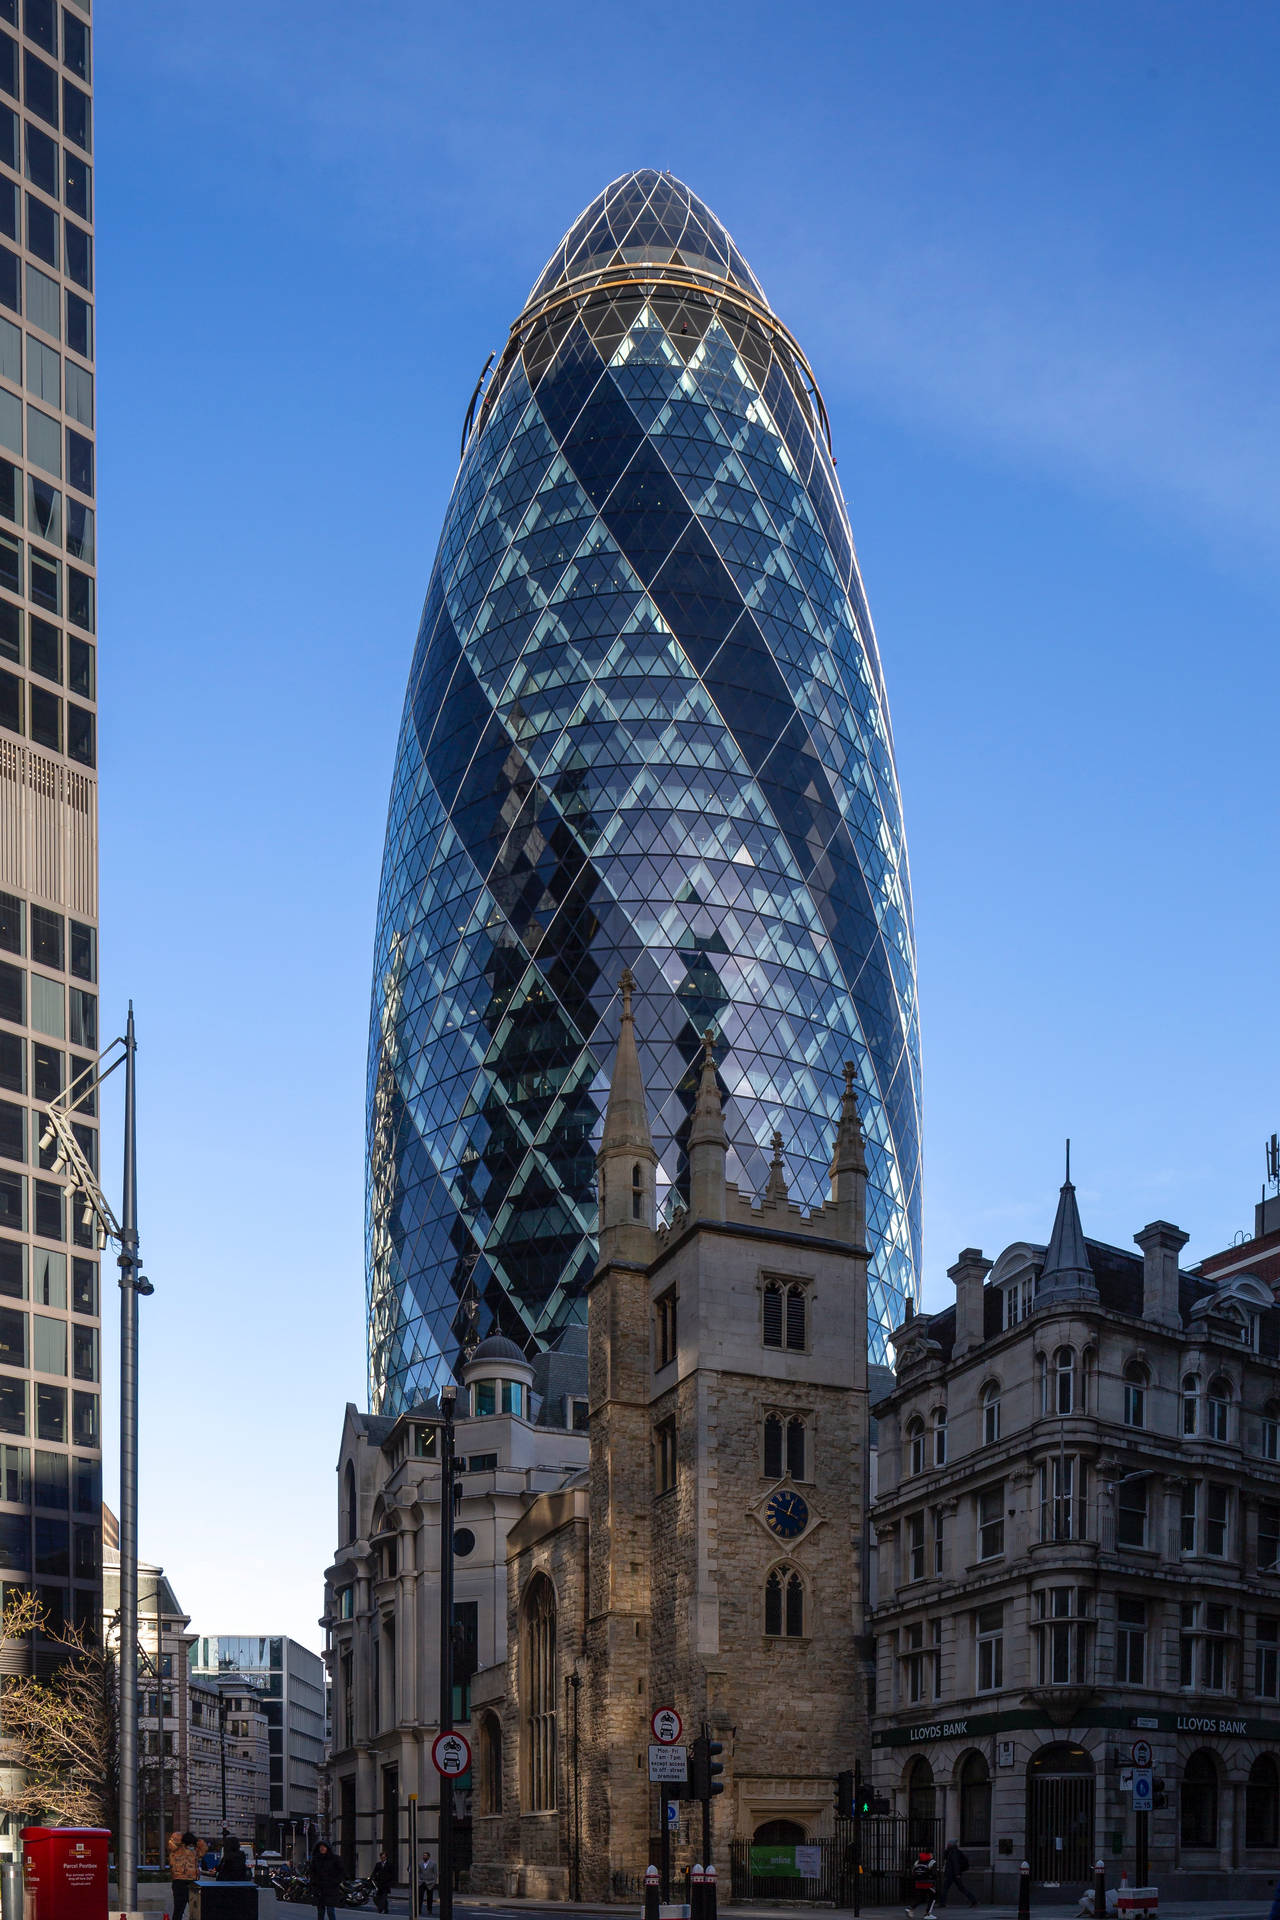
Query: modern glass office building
x=645 y=723
x=50 y=1478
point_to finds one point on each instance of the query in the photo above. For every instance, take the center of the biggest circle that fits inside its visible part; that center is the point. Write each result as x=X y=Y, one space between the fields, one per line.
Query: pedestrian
x=326 y=1879
x=428 y=1880
x=955 y=1865
x=184 y=1869
x=924 y=1883
x=232 y=1864
x=381 y=1878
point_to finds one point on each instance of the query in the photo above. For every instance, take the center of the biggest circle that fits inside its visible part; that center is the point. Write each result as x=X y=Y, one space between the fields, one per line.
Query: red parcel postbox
x=64 y=1873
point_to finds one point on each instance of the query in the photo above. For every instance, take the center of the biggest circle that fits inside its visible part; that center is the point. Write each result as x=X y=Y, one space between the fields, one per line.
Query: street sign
x=673 y=1813
x=1126 y=1779
x=451 y=1754
x=1142 y=1790
x=1141 y=1755
x=668 y=1763
x=667 y=1726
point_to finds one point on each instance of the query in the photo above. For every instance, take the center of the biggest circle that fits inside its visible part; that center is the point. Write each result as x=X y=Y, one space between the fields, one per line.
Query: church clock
x=787 y=1514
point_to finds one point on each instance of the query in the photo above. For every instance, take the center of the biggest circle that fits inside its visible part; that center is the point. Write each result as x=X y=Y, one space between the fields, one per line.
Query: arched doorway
x=921 y=1804
x=1060 y=1794
x=1198 y=1804
x=779 y=1833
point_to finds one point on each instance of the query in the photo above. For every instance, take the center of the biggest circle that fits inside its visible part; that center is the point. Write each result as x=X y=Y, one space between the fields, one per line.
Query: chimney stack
x=1161 y=1244
x=969 y=1274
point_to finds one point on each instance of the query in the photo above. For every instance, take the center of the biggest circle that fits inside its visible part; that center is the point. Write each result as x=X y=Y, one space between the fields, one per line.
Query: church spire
x=849 y=1162
x=626 y=1162
x=708 y=1142
x=1066 y=1266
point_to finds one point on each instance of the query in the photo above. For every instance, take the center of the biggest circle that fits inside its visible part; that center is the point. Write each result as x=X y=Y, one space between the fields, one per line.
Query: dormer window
x=1018 y=1301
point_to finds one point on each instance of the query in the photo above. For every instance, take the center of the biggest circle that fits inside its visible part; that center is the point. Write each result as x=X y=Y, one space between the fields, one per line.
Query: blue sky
x=1030 y=253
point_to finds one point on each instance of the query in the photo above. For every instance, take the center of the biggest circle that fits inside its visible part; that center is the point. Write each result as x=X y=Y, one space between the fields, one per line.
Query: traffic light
x=704 y=1767
x=844 y=1794
x=1159 y=1798
x=861 y=1792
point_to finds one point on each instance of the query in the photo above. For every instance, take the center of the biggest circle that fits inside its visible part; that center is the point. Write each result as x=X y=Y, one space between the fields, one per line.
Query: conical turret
x=708 y=1143
x=626 y=1162
x=1066 y=1266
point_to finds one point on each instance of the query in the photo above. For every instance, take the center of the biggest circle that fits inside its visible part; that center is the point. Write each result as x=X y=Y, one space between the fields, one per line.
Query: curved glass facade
x=645 y=724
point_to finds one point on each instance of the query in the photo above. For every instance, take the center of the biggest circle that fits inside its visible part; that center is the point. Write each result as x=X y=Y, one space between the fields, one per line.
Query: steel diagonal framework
x=645 y=725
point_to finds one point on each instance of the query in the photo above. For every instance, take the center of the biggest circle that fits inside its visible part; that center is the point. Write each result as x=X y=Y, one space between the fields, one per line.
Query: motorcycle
x=356 y=1893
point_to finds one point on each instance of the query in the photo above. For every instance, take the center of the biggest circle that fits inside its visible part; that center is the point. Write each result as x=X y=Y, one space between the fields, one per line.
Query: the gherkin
x=645 y=723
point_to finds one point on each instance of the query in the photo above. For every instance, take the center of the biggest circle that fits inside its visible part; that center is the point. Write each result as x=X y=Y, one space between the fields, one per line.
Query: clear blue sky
x=1031 y=254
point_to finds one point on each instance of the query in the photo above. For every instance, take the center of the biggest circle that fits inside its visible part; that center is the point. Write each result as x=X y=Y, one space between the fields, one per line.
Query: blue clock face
x=787 y=1514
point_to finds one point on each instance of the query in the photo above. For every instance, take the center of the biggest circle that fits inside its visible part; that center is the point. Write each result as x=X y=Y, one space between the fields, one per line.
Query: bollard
x=697 y=1891
x=652 y=1894
x=1100 y=1889
x=709 y=1893
x=1024 y=1892
x=11 y=1894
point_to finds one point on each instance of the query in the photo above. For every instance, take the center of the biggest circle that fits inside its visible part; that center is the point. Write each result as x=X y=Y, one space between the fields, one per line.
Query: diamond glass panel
x=645 y=724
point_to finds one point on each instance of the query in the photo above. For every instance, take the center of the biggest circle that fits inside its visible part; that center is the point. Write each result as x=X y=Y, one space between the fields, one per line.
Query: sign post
x=666 y=1727
x=1142 y=1797
x=413 y=1856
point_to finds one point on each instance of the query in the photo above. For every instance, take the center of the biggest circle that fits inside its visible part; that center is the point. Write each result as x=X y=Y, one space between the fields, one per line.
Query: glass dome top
x=646 y=218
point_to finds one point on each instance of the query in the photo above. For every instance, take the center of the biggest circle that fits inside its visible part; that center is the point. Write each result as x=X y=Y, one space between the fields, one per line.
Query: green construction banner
x=774 y=1863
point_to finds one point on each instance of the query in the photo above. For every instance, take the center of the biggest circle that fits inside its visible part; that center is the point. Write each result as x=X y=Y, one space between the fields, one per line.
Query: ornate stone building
x=711 y=1558
x=1078 y=1526
x=521 y=1431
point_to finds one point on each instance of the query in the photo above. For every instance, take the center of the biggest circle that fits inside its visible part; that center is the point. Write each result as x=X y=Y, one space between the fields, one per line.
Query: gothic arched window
x=350 y=1517
x=538 y=1694
x=773 y=1446
x=784 y=1604
x=795 y=1447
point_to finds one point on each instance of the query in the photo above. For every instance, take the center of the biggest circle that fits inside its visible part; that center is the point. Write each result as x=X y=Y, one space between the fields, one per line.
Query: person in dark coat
x=232 y=1865
x=381 y=1878
x=954 y=1867
x=326 y=1878
x=924 y=1882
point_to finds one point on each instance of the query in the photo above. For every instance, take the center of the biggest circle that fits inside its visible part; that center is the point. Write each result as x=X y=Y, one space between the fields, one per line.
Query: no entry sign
x=667 y=1726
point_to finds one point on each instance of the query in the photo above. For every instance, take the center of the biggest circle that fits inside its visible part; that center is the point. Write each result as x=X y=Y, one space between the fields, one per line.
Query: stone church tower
x=720 y=1570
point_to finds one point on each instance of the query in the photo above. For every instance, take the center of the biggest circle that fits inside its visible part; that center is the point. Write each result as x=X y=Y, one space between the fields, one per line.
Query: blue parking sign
x=1142 y=1790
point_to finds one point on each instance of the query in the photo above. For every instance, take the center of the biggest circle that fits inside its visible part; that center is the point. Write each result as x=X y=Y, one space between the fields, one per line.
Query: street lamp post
x=444 y=1847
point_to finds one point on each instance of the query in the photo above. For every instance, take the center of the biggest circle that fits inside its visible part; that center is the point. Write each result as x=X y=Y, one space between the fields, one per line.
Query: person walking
x=326 y=1879
x=184 y=1870
x=955 y=1865
x=381 y=1878
x=924 y=1884
x=232 y=1864
x=428 y=1880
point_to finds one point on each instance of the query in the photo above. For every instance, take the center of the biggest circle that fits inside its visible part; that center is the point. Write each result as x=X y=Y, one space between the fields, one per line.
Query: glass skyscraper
x=50 y=1473
x=646 y=724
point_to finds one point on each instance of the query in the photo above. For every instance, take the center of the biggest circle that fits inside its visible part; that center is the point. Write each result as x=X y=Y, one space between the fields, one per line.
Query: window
x=538 y=1694
x=1062 y=1482
x=664 y=1455
x=1266 y=1666
x=13 y=1132
x=773 y=1446
x=1271 y=1431
x=15 y=1474
x=785 y=1316
x=76 y=116
x=42 y=231
x=915 y=1546
x=1060 y=1631
x=939 y=1541
x=666 y=1327
x=1190 y=1403
x=49 y=1278
x=13 y=1404
x=13 y=1338
x=13 y=1270
x=13 y=1201
x=80 y=662
x=1217 y=1516
x=40 y=91
x=84 y=1353
x=83 y=1017
x=484 y=1398
x=1131 y=1641
x=990 y=1523
x=1268 y=1538
x=1131 y=1514
x=1204 y=1646
x=1262 y=1803
x=84 y=951
x=936 y=1635
x=75 y=44
x=42 y=161
x=51 y=1413
x=914 y=1685
x=1064 y=1370
x=48 y=1344
x=990 y=1414
x=349 y=1485
x=46 y=717
x=1019 y=1299
x=990 y=1649
x=784 y=1604
x=80 y=476
x=637 y=1183
x=79 y=324
x=490 y=1768
x=1190 y=1504
x=46 y=640
x=84 y=1286
x=796 y=1447
x=940 y=1437
x=915 y=1445
x=975 y=1802
x=513 y=1398
x=1219 y=1410
x=13 y=995
x=11 y=701
x=1135 y=1394
x=50 y=1221
x=40 y=23
x=48 y=1007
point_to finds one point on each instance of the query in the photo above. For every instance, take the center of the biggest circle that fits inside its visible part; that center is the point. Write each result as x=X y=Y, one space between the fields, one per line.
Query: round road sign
x=1142 y=1753
x=451 y=1754
x=667 y=1726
